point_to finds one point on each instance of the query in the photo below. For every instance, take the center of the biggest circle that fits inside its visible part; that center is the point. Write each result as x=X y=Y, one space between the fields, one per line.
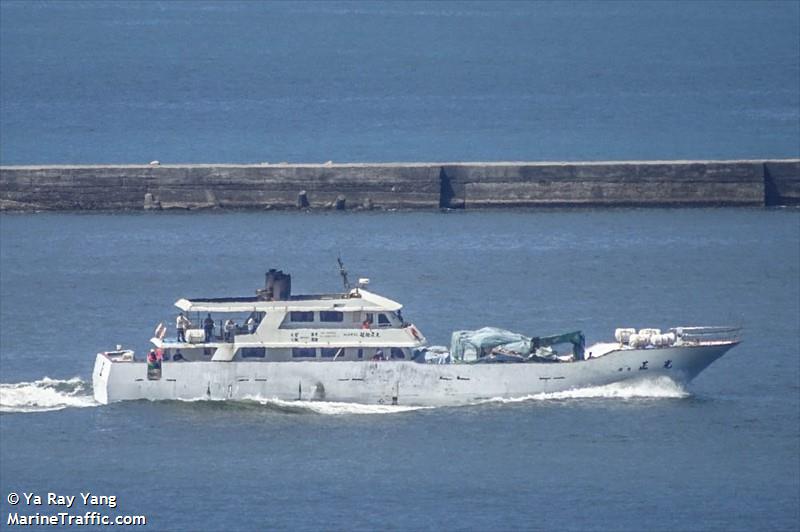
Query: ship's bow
x=700 y=357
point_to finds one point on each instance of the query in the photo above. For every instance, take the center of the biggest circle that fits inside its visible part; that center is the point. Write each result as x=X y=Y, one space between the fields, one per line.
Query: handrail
x=708 y=334
x=712 y=328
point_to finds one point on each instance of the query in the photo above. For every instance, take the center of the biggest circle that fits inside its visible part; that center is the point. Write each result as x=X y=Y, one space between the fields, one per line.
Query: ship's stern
x=100 y=373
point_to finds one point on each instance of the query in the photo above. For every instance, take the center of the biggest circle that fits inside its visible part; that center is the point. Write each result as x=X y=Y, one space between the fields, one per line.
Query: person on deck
x=230 y=328
x=181 y=323
x=208 y=327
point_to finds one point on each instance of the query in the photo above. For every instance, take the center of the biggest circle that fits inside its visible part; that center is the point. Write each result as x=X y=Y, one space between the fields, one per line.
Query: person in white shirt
x=251 y=324
x=181 y=322
x=230 y=327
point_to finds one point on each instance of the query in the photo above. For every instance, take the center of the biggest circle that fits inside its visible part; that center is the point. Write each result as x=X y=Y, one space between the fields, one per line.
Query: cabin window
x=360 y=353
x=329 y=352
x=304 y=352
x=297 y=315
x=356 y=317
x=383 y=320
x=398 y=353
x=208 y=351
x=253 y=352
x=330 y=315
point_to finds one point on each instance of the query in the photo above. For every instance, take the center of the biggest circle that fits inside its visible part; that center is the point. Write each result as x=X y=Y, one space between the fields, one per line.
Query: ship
x=355 y=346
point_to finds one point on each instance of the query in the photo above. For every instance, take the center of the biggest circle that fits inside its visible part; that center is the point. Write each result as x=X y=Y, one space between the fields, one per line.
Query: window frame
x=299 y=316
x=324 y=314
x=328 y=350
x=296 y=352
x=242 y=350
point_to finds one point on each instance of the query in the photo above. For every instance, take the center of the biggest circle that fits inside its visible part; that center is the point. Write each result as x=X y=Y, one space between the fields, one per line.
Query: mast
x=343 y=273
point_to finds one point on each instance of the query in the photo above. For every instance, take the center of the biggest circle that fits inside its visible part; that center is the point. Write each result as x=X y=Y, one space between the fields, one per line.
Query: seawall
x=400 y=185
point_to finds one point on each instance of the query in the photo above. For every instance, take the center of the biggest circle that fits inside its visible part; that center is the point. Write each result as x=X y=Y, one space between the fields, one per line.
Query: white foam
x=45 y=395
x=333 y=408
x=659 y=388
x=48 y=394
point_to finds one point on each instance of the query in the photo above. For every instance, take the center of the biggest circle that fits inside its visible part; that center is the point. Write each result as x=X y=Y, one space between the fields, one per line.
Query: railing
x=703 y=335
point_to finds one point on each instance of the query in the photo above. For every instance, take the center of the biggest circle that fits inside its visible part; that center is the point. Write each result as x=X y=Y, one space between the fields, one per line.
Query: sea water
x=129 y=82
x=720 y=454
x=188 y=82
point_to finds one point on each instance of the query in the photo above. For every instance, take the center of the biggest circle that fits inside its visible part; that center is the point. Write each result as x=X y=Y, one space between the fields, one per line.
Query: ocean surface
x=188 y=82
x=129 y=82
x=722 y=454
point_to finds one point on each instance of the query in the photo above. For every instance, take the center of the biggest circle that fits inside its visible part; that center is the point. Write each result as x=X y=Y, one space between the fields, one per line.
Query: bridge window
x=397 y=353
x=253 y=352
x=329 y=352
x=297 y=315
x=304 y=352
x=383 y=320
x=331 y=315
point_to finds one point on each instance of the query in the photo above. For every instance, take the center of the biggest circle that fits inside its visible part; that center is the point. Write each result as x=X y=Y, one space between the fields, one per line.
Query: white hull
x=392 y=382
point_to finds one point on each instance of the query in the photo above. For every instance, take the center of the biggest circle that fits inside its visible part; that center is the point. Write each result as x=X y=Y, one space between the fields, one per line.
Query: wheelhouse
x=275 y=326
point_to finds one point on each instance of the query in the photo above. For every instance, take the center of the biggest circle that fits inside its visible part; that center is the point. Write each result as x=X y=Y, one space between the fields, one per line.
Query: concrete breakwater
x=399 y=185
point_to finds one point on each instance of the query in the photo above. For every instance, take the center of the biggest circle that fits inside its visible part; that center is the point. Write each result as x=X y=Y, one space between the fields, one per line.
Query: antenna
x=343 y=273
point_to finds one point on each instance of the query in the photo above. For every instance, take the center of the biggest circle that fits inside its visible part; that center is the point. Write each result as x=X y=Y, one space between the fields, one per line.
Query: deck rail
x=700 y=335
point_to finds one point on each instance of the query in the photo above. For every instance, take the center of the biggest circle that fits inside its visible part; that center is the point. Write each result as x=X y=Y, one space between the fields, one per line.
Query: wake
x=326 y=408
x=659 y=388
x=45 y=395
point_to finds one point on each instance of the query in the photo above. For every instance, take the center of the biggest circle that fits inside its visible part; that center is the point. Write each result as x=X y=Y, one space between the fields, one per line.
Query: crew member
x=230 y=327
x=251 y=323
x=180 y=325
x=153 y=366
x=208 y=327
